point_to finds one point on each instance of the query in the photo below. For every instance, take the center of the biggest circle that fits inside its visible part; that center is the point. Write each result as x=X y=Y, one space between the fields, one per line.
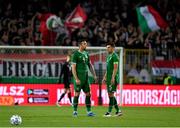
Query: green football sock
x=115 y=105
x=75 y=103
x=111 y=103
x=88 y=103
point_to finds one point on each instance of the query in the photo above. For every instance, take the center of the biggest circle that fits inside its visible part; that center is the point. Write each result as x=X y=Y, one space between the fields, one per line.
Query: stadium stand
x=113 y=20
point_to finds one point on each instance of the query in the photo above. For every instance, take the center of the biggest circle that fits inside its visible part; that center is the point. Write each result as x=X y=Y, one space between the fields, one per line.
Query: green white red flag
x=149 y=19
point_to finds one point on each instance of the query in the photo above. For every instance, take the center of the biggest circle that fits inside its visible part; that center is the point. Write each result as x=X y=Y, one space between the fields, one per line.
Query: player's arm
x=115 y=69
x=93 y=71
x=75 y=73
x=104 y=77
x=63 y=70
x=62 y=73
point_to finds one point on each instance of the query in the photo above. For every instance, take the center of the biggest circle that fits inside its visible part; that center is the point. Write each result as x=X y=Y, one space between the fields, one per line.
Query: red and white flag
x=76 y=19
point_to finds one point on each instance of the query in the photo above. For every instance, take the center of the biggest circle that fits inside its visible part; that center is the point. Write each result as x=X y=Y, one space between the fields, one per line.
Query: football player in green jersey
x=80 y=65
x=111 y=78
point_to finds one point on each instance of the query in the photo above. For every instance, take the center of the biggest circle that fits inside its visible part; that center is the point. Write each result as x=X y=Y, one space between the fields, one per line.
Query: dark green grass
x=52 y=116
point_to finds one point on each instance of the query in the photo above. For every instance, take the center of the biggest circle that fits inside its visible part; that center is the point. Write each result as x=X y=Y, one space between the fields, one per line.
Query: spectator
x=167 y=79
x=144 y=76
x=104 y=24
x=133 y=76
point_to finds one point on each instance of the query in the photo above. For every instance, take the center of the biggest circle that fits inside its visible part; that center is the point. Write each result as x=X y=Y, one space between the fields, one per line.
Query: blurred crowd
x=108 y=20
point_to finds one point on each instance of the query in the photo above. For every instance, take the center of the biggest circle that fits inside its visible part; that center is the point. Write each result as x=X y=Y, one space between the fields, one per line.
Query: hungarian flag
x=76 y=19
x=159 y=67
x=149 y=19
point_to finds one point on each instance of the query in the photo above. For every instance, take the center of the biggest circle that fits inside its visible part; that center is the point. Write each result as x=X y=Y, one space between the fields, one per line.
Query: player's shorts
x=67 y=85
x=84 y=83
x=111 y=87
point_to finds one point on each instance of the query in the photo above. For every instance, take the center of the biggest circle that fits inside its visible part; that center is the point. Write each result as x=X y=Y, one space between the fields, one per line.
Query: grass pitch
x=53 y=116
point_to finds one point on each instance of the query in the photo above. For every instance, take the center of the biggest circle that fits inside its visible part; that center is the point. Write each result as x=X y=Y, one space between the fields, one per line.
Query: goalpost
x=42 y=64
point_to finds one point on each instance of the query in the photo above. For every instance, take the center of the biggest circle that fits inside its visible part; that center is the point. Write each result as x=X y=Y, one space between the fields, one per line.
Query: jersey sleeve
x=74 y=58
x=115 y=59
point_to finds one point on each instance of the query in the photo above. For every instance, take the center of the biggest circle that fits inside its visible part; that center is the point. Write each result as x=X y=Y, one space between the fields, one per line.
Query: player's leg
x=114 y=103
x=118 y=111
x=67 y=86
x=111 y=104
x=69 y=95
x=62 y=95
x=110 y=89
x=88 y=101
x=88 y=104
x=77 y=89
x=110 y=95
x=65 y=91
x=75 y=103
x=86 y=90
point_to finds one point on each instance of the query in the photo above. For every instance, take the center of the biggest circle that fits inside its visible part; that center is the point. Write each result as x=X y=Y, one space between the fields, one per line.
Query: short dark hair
x=112 y=44
x=81 y=39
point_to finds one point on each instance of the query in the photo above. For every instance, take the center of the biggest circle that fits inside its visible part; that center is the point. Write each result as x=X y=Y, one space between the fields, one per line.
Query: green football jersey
x=110 y=61
x=81 y=59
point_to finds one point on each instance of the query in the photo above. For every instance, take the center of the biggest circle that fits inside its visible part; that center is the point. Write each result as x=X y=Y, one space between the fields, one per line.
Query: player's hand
x=95 y=79
x=78 y=81
x=104 y=80
x=112 y=81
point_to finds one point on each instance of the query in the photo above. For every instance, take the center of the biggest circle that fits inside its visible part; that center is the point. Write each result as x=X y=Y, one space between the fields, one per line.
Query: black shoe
x=118 y=114
x=107 y=114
